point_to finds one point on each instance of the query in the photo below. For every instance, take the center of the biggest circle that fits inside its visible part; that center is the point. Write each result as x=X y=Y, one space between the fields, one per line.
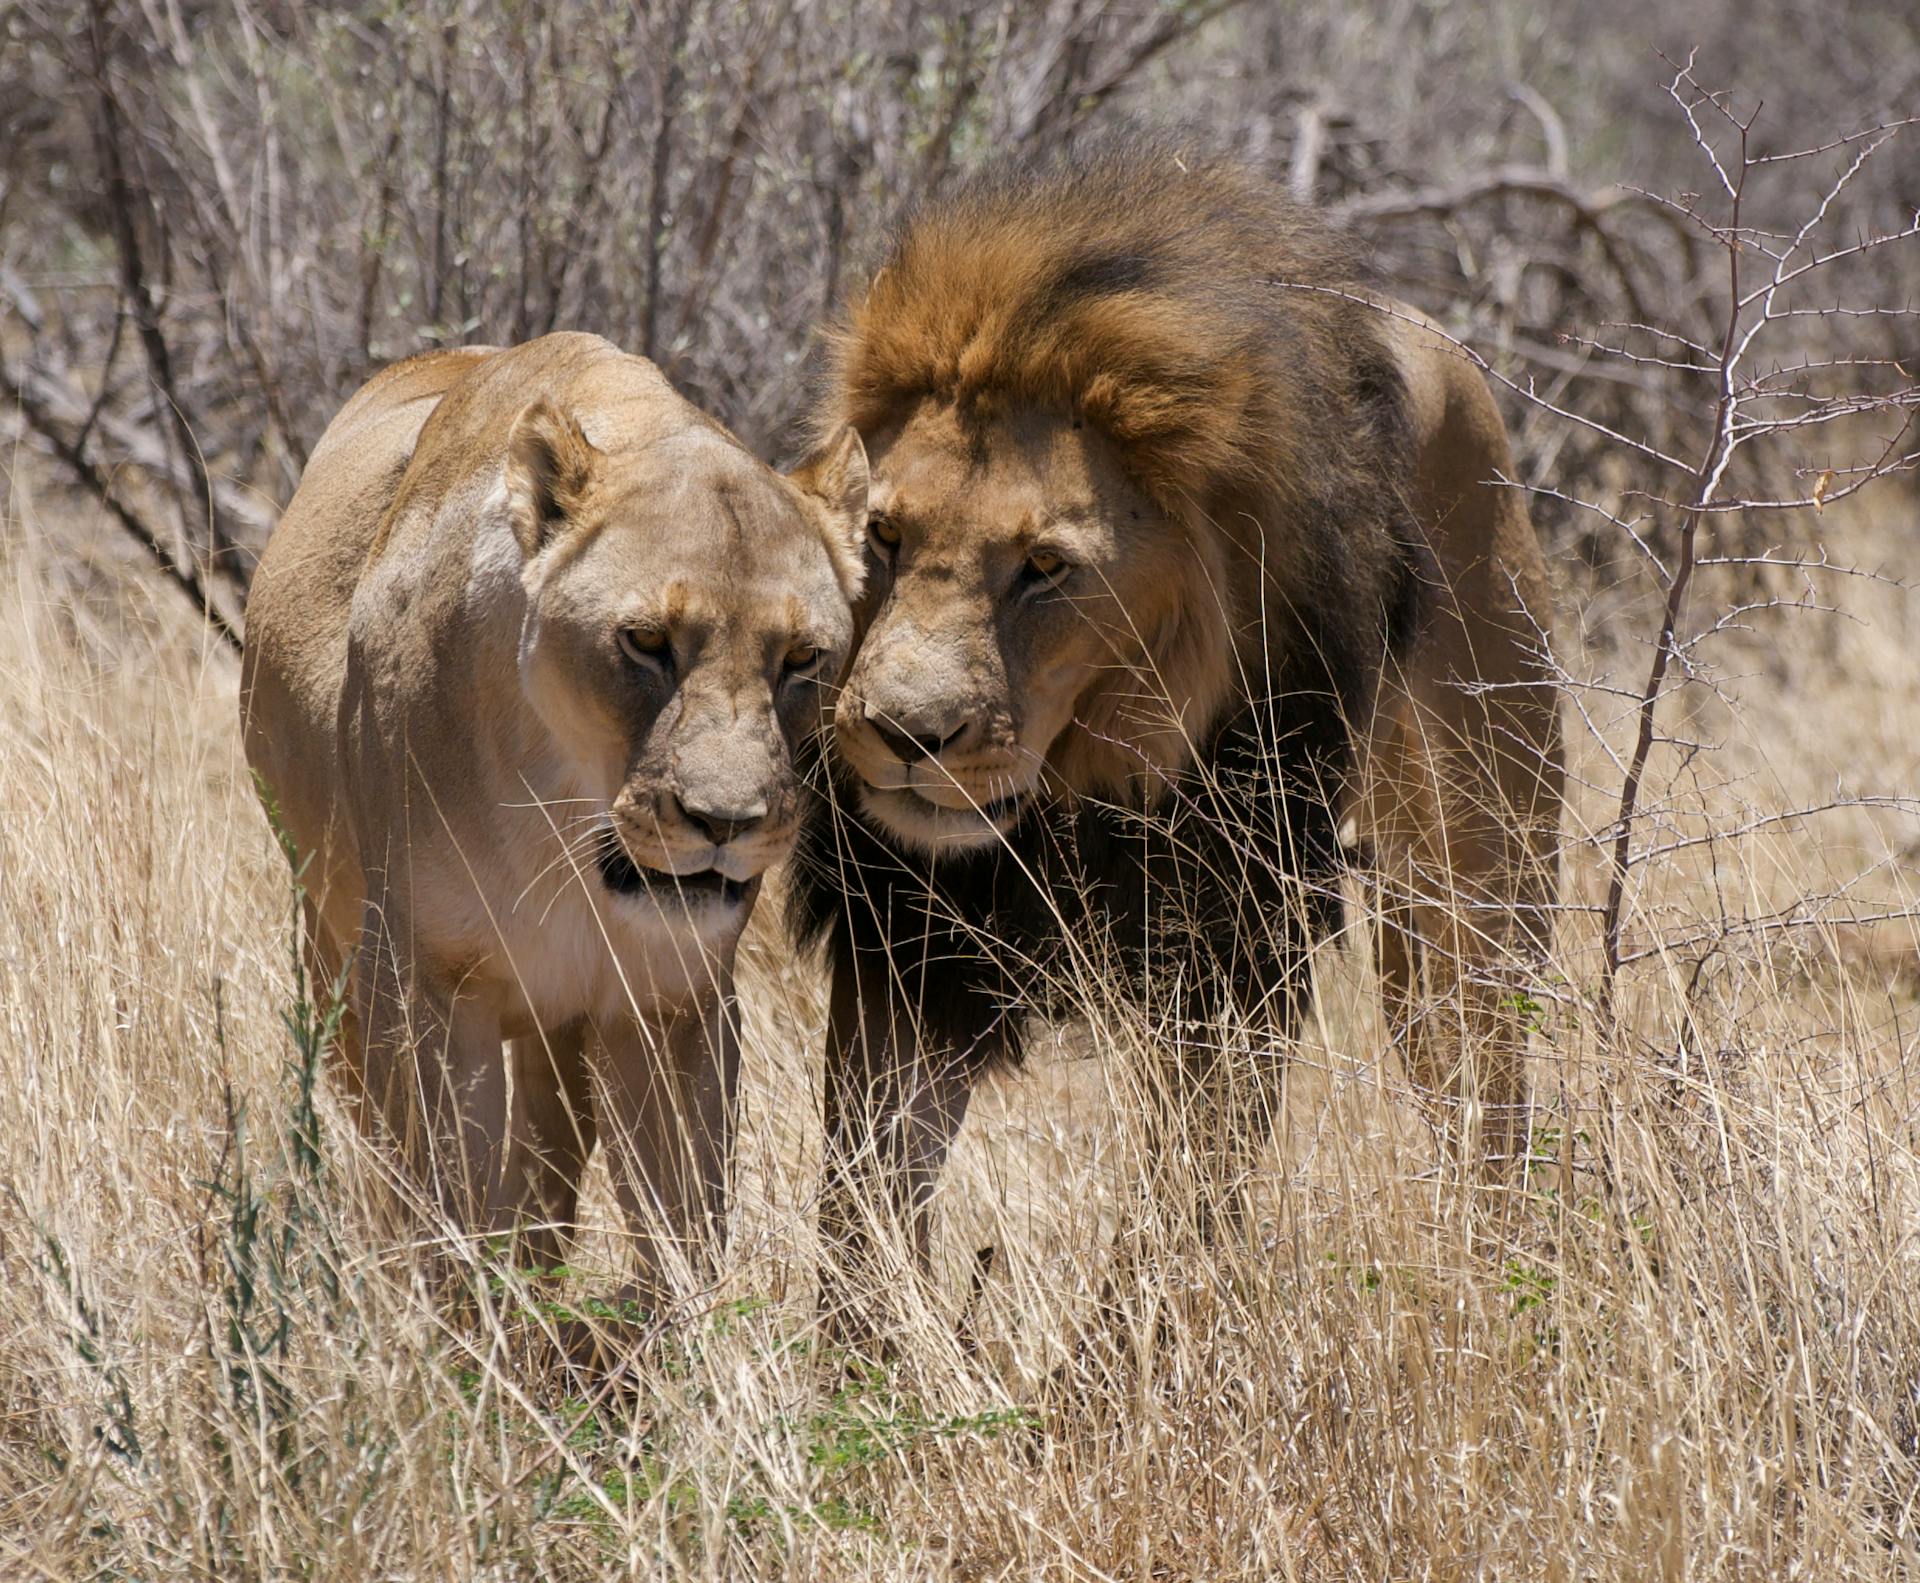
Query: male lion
x=527 y=659
x=1184 y=556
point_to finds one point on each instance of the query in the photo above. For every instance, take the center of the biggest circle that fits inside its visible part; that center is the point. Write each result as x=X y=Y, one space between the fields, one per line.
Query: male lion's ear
x=549 y=461
x=835 y=474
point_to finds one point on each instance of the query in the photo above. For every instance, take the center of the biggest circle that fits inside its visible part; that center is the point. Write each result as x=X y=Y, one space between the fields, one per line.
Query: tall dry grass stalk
x=1683 y=1342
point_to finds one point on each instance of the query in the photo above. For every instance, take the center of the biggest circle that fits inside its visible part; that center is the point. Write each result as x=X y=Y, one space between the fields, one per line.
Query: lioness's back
x=297 y=611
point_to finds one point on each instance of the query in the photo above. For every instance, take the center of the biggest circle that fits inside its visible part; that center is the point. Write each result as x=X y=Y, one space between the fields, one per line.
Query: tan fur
x=450 y=697
x=1460 y=786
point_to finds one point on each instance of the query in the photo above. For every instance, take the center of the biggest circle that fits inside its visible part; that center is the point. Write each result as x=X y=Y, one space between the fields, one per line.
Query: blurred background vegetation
x=217 y=217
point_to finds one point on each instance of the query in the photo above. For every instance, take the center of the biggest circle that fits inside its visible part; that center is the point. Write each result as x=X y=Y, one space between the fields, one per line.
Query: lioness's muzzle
x=624 y=877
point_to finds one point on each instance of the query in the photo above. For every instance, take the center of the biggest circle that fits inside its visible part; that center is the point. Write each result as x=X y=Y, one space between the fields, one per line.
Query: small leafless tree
x=1783 y=390
x=1770 y=390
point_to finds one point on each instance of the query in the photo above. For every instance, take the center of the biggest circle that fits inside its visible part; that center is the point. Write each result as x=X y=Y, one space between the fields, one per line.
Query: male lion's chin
x=914 y=821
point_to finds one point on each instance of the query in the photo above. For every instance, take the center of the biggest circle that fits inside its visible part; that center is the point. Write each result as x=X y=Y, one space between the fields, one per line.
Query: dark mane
x=1147 y=287
x=1171 y=897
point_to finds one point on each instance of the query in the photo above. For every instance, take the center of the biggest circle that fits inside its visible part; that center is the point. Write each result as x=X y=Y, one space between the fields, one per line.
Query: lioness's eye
x=802 y=656
x=885 y=535
x=645 y=646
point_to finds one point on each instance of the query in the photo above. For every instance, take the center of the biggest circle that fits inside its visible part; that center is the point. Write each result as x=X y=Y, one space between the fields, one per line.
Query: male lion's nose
x=910 y=745
x=722 y=825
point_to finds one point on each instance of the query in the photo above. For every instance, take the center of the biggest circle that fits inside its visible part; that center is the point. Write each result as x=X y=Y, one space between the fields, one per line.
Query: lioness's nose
x=912 y=744
x=722 y=824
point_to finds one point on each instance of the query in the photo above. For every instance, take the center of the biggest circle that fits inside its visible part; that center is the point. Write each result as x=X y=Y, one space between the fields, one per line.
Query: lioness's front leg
x=553 y=1131
x=434 y=1075
x=668 y=1090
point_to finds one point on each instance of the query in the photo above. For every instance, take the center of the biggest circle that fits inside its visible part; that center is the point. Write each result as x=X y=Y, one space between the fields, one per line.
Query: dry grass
x=1693 y=1350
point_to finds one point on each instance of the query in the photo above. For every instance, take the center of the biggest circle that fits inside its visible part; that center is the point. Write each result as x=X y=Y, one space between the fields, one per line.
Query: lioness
x=527 y=659
x=1185 y=559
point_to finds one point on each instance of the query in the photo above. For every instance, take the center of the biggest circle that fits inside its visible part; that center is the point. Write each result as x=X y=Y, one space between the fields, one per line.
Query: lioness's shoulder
x=499 y=380
x=406 y=391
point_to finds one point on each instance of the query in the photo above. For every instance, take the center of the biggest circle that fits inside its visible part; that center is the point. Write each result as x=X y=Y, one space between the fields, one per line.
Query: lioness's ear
x=549 y=461
x=836 y=475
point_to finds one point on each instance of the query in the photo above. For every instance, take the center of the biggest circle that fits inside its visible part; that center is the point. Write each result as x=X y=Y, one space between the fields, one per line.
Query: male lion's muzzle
x=953 y=783
x=926 y=723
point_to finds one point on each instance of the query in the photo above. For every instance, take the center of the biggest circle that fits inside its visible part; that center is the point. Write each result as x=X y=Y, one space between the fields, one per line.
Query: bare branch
x=21 y=389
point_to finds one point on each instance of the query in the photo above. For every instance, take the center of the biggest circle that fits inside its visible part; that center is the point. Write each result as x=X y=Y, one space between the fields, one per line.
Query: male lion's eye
x=1044 y=566
x=645 y=646
x=802 y=657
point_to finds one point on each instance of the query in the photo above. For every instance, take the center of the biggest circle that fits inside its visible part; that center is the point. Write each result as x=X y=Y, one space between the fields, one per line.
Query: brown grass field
x=1685 y=1343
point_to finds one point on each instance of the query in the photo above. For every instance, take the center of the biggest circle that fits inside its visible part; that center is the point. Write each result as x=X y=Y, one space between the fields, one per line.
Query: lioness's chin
x=913 y=821
x=708 y=893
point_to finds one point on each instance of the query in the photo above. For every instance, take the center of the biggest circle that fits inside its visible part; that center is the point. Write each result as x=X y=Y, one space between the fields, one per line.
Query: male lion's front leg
x=893 y=1108
x=669 y=1091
